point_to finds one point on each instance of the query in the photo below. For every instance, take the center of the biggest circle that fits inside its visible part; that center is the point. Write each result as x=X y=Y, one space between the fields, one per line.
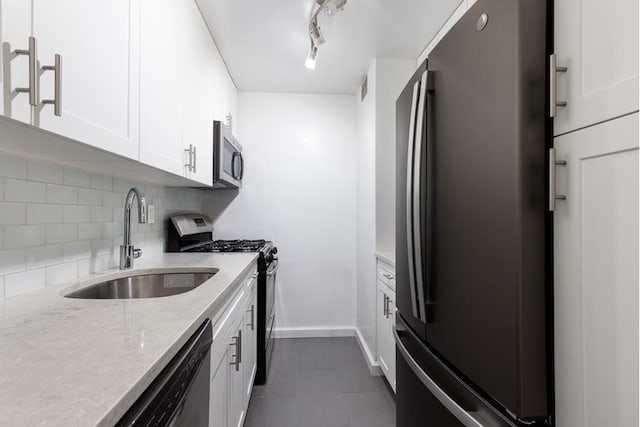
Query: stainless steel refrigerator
x=473 y=254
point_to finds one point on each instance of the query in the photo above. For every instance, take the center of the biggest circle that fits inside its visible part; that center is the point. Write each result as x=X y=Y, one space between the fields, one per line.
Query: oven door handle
x=273 y=268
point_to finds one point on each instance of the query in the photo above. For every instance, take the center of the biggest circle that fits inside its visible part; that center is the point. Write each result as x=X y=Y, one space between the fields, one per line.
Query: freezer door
x=409 y=273
x=486 y=127
x=429 y=394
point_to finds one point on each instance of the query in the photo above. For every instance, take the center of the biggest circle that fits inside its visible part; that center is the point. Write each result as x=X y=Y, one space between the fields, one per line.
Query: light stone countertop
x=388 y=257
x=74 y=362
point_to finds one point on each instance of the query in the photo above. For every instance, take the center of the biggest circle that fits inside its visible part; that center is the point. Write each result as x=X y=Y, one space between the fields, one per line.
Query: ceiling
x=265 y=43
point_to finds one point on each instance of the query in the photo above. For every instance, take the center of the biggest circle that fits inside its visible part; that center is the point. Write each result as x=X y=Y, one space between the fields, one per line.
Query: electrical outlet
x=151 y=214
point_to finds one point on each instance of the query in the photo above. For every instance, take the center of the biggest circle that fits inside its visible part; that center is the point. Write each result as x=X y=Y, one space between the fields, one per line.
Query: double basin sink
x=160 y=283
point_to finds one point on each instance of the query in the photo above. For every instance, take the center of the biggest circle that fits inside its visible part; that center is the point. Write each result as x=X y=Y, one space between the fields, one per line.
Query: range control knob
x=274 y=250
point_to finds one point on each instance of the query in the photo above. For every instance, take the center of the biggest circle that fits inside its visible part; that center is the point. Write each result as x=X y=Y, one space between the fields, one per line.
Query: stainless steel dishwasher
x=179 y=396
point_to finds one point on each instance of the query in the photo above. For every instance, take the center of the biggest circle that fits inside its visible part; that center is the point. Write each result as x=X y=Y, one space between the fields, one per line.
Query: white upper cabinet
x=98 y=42
x=15 y=29
x=162 y=47
x=199 y=97
x=598 y=43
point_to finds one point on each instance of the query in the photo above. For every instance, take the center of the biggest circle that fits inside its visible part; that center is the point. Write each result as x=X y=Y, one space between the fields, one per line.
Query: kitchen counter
x=388 y=257
x=73 y=362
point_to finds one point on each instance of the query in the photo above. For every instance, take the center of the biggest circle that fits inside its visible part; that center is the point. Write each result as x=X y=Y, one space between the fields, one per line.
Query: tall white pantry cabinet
x=596 y=226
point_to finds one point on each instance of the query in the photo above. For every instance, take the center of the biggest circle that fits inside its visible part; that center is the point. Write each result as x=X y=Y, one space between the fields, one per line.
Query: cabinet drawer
x=386 y=275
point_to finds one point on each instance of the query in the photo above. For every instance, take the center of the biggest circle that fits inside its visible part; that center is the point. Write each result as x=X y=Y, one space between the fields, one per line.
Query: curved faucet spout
x=127 y=252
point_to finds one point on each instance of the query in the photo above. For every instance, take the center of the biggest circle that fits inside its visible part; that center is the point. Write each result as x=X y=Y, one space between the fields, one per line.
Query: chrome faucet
x=127 y=252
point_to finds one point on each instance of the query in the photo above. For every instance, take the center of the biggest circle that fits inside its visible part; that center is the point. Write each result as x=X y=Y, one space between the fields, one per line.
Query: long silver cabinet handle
x=553 y=85
x=552 y=179
x=32 y=53
x=409 y=198
x=237 y=343
x=384 y=305
x=189 y=152
x=57 y=86
x=194 y=159
x=252 y=310
x=465 y=417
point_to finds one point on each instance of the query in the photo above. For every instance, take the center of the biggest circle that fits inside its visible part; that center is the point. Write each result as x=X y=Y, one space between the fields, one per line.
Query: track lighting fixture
x=331 y=8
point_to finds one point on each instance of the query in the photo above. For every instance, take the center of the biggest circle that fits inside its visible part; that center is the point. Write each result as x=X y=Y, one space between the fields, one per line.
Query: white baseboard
x=372 y=363
x=314 y=332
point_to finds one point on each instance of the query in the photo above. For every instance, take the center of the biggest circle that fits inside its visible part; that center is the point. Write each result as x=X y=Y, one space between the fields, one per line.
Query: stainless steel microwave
x=228 y=164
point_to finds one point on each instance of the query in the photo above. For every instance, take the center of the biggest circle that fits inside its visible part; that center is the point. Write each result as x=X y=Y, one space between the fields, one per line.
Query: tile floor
x=321 y=382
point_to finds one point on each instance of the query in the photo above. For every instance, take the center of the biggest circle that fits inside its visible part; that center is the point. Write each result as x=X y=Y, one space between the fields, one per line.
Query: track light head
x=310 y=63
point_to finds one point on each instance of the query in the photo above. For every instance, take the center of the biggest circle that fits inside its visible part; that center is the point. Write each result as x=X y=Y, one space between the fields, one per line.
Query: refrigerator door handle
x=426 y=85
x=409 y=195
x=468 y=418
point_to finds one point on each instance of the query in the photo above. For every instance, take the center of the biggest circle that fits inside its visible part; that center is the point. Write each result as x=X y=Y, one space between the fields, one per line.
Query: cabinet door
x=236 y=386
x=198 y=98
x=390 y=344
x=219 y=390
x=598 y=42
x=596 y=276
x=162 y=46
x=250 y=348
x=99 y=44
x=381 y=324
x=15 y=29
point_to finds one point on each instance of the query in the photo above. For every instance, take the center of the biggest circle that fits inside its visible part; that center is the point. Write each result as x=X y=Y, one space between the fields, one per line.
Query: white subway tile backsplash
x=113 y=199
x=59 y=233
x=89 y=231
x=42 y=256
x=89 y=197
x=77 y=178
x=100 y=182
x=74 y=213
x=12 y=261
x=44 y=214
x=22 y=236
x=25 y=281
x=101 y=214
x=62 y=194
x=12 y=167
x=44 y=172
x=58 y=223
x=12 y=213
x=17 y=190
x=74 y=251
x=61 y=273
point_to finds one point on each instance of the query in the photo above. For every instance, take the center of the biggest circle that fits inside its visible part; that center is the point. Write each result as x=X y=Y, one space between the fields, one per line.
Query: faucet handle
x=137 y=253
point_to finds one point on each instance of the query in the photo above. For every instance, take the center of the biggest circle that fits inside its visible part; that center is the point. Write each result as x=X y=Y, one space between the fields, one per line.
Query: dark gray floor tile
x=369 y=410
x=283 y=367
x=272 y=412
x=275 y=389
x=320 y=353
x=319 y=402
x=284 y=345
x=355 y=377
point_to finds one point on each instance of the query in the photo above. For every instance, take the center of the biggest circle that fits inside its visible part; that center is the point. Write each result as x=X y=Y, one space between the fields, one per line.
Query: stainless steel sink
x=141 y=285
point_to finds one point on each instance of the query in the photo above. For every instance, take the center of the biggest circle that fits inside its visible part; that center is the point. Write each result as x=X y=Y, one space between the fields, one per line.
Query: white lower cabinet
x=233 y=359
x=385 y=321
x=596 y=276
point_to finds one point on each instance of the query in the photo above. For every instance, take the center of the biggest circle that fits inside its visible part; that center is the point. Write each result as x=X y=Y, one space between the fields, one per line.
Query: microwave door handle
x=409 y=196
x=241 y=167
x=233 y=165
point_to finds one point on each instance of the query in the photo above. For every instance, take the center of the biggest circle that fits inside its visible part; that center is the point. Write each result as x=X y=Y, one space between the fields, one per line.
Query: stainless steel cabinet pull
x=57 y=88
x=384 y=305
x=194 y=159
x=552 y=179
x=252 y=310
x=553 y=85
x=32 y=53
x=388 y=276
x=189 y=152
x=237 y=343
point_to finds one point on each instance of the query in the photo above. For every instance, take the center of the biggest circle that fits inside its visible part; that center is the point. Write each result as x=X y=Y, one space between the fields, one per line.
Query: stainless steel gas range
x=194 y=233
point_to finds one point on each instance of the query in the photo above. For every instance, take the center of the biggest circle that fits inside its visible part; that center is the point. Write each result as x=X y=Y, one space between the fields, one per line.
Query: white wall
x=59 y=223
x=366 y=213
x=391 y=77
x=299 y=191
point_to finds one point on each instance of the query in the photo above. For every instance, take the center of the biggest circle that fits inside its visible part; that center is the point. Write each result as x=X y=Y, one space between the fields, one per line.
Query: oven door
x=227 y=158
